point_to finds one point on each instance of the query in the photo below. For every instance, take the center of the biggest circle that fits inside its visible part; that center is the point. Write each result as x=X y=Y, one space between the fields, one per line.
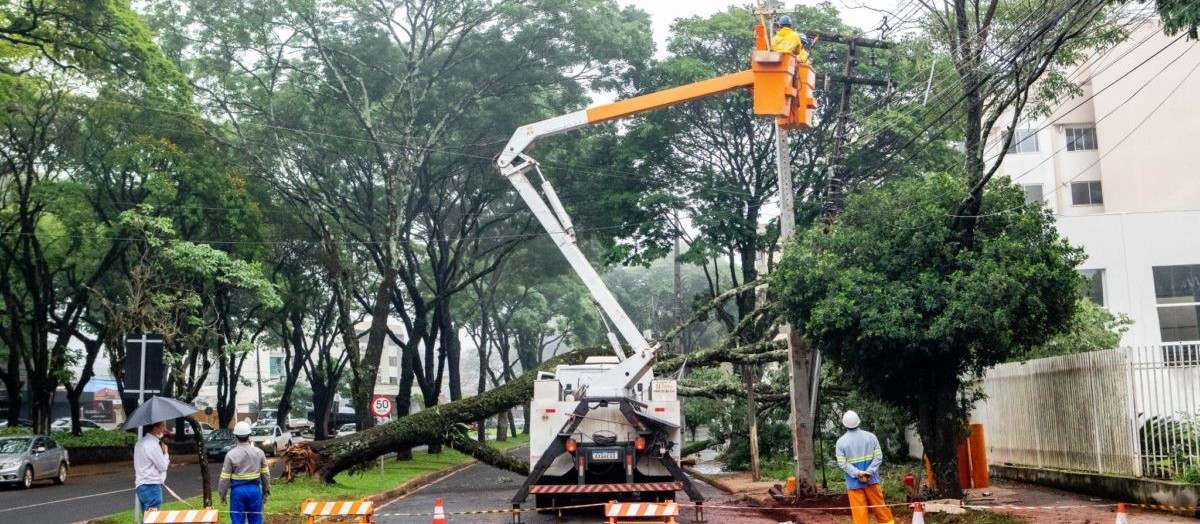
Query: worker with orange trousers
x=859 y=456
x=787 y=40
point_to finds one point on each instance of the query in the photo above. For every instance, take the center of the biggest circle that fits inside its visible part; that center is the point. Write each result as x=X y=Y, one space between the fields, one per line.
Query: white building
x=1119 y=166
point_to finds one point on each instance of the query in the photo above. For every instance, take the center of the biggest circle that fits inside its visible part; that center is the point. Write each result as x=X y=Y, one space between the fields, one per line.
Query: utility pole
x=834 y=183
x=804 y=363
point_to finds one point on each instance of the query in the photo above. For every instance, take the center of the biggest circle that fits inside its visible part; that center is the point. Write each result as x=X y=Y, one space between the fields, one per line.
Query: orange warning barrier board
x=357 y=511
x=191 y=516
x=664 y=511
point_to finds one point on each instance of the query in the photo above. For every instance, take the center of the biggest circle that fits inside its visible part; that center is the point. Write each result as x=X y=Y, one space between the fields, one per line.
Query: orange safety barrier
x=357 y=511
x=190 y=516
x=666 y=511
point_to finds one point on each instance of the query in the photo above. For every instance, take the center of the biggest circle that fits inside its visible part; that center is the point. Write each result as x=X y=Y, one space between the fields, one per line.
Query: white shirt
x=149 y=461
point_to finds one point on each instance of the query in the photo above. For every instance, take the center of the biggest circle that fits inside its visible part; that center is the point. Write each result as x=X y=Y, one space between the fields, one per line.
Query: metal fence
x=1129 y=411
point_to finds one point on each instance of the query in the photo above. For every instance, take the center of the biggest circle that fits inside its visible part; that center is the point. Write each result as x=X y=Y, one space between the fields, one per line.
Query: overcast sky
x=664 y=12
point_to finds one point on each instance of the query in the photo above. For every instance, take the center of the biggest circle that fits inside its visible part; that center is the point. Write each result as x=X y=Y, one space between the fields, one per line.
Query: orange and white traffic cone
x=1122 y=515
x=439 y=514
x=918 y=513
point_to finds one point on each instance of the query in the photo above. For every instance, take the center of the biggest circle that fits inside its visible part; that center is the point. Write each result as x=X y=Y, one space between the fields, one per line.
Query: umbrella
x=158 y=409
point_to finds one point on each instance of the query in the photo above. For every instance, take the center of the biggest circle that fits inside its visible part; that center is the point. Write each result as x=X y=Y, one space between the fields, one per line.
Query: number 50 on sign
x=381 y=406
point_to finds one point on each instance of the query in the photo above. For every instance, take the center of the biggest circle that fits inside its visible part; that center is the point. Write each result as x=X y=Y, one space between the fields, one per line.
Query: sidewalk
x=1060 y=506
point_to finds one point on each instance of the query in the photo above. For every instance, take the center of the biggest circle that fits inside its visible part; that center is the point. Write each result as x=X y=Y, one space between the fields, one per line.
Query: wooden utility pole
x=834 y=193
x=804 y=363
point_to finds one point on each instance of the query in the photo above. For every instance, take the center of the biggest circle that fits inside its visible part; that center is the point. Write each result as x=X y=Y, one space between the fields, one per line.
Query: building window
x=1177 y=292
x=1081 y=138
x=1093 y=285
x=392 y=380
x=276 y=367
x=392 y=361
x=1086 y=193
x=1033 y=193
x=1024 y=141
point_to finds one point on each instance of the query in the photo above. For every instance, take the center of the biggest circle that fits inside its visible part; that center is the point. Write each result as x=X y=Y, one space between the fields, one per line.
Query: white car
x=64 y=424
x=205 y=429
x=347 y=429
x=270 y=439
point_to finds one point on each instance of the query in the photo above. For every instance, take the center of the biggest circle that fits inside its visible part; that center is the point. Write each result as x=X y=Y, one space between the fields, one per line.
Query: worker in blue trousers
x=245 y=479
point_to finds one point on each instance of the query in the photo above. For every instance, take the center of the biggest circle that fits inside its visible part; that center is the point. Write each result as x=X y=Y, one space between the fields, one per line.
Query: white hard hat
x=850 y=420
x=242 y=429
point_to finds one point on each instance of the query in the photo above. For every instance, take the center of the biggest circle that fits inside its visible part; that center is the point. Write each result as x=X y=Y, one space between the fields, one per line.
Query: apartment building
x=1119 y=165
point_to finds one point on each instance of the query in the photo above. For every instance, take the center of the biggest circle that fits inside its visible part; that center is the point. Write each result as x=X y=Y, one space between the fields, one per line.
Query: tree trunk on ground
x=433 y=424
x=490 y=456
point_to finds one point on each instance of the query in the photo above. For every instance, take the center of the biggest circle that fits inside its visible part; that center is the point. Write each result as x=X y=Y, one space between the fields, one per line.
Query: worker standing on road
x=245 y=473
x=150 y=461
x=859 y=456
x=786 y=40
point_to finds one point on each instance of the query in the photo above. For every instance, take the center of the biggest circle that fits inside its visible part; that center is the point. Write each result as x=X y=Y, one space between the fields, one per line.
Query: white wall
x=1127 y=246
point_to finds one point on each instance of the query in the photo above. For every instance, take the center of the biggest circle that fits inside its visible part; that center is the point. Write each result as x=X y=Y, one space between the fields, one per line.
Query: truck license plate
x=605 y=455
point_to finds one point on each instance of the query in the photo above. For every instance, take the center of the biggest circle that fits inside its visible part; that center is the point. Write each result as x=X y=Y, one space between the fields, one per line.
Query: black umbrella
x=158 y=409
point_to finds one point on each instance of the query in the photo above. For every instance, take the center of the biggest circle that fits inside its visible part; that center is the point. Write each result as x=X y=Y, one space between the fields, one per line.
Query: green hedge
x=99 y=438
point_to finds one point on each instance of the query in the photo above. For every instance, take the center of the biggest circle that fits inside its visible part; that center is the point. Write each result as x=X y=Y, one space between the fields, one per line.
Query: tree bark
x=940 y=424
x=433 y=424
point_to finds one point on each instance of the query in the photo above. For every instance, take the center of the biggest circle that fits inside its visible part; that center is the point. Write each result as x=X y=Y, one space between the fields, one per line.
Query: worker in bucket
x=245 y=474
x=859 y=456
x=787 y=40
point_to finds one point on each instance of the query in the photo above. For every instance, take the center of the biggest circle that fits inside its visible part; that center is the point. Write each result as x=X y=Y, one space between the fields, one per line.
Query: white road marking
x=67 y=500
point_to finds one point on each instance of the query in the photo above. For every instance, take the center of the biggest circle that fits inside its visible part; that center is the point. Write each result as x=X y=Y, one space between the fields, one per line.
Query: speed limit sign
x=381 y=405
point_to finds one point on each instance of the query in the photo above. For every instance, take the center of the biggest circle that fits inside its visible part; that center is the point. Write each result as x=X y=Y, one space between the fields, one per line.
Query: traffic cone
x=1122 y=515
x=439 y=514
x=918 y=513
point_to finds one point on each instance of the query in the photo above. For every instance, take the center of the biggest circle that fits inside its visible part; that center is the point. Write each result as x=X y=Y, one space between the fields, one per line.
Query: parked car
x=347 y=429
x=300 y=425
x=26 y=459
x=218 y=443
x=205 y=429
x=270 y=439
x=21 y=423
x=64 y=424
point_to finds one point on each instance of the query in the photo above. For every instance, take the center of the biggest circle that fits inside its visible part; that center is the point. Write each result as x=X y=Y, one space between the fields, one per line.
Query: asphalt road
x=482 y=487
x=91 y=495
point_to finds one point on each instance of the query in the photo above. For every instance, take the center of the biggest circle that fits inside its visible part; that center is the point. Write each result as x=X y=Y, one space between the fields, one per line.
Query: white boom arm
x=774 y=79
x=621 y=380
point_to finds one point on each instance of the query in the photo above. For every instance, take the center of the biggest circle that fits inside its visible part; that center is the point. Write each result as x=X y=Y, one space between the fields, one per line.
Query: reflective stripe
x=242 y=476
x=265 y=470
x=864 y=457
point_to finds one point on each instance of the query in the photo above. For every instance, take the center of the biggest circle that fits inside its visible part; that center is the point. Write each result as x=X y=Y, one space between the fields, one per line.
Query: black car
x=218 y=443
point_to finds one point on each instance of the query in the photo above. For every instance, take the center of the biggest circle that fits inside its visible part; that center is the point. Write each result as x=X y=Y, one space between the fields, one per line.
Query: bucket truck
x=608 y=428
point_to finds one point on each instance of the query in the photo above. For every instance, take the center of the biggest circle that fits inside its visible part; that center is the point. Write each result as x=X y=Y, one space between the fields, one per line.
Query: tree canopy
x=889 y=297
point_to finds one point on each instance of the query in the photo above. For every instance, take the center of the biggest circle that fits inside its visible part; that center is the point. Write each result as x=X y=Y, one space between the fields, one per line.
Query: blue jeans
x=150 y=496
x=246 y=503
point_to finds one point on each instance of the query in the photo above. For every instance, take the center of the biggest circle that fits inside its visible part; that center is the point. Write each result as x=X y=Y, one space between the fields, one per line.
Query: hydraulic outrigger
x=782 y=89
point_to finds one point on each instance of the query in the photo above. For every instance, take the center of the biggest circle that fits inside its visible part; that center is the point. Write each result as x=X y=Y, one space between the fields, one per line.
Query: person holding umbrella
x=150 y=457
x=150 y=461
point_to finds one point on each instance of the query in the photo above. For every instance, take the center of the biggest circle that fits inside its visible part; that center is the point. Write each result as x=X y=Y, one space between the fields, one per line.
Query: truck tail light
x=572 y=445
x=639 y=444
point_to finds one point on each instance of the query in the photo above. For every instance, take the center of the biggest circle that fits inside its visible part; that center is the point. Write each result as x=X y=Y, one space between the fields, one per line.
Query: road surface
x=482 y=487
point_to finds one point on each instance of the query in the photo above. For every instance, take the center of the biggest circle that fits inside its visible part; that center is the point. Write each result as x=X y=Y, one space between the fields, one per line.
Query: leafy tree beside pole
x=911 y=316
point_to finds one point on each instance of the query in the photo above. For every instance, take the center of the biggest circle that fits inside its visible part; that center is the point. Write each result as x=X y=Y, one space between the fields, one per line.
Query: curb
x=415 y=484
x=412 y=485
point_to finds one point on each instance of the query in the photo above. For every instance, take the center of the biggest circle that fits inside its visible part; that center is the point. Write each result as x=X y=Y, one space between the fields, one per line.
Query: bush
x=96 y=439
x=4 y=432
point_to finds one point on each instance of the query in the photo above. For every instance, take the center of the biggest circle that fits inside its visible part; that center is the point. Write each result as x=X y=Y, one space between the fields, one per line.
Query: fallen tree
x=437 y=424
x=442 y=424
